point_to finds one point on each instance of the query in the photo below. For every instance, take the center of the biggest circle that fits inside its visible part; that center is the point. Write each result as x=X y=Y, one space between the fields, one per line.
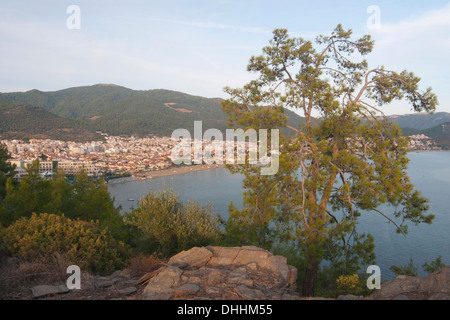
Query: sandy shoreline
x=201 y=167
x=169 y=172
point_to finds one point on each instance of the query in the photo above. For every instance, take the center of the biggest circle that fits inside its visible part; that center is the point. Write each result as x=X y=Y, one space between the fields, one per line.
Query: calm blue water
x=429 y=171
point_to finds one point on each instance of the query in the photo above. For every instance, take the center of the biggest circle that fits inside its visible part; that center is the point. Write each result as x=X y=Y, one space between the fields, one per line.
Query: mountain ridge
x=421 y=120
x=118 y=110
x=122 y=111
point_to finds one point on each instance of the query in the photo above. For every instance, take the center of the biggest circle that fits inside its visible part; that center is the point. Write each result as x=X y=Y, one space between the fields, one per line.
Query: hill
x=440 y=134
x=436 y=126
x=25 y=122
x=121 y=111
x=421 y=121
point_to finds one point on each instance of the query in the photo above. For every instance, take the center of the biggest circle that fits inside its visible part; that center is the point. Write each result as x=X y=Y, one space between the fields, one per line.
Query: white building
x=75 y=167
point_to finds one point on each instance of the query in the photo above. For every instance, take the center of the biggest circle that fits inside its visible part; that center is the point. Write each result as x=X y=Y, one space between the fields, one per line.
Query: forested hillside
x=121 y=111
x=25 y=122
x=421 y=121
x=76 y=113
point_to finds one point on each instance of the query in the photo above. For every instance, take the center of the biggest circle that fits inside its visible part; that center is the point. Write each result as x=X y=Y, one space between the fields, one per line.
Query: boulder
x=400 y=285
x=254 y=258
x=436 y=283
x=248 y=273
x=436 y=286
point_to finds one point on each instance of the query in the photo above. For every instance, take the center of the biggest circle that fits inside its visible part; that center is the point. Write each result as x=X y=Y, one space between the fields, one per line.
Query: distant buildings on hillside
x=421 y=142
x=118 y=154
x=115 y=154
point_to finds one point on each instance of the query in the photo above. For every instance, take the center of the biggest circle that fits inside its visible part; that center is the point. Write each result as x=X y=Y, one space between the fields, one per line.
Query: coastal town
x=117 y=156
x=421 y=142
x=122 y=156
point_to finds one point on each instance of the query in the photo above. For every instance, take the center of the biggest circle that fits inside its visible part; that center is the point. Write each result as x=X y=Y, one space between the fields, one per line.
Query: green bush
x=406 y=270
x=434 y=265
x=411 y=270
x=351 y=284
x=83 y=199
x=170 y=226
x=82 y=243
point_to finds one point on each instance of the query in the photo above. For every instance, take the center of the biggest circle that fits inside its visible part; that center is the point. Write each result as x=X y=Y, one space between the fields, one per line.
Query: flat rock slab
x=195 y=257
x=127 y=291
x=46 y=290
x=162 y=286
x=107 y=282
x=187 y=289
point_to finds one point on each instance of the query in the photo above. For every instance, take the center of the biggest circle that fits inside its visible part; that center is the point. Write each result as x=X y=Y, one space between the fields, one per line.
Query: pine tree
x=345 y=159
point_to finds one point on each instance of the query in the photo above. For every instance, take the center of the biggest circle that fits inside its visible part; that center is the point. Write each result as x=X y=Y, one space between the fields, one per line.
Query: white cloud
x=420 y=44
x=50 y=59
x=427 y=33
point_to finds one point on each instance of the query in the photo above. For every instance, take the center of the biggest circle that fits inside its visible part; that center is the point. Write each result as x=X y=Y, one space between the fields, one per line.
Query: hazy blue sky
x=198 y=47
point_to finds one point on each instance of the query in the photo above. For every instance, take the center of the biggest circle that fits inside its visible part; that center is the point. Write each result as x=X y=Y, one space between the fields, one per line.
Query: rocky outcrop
x=248 y=273
x=237 y=273
x=436 y=286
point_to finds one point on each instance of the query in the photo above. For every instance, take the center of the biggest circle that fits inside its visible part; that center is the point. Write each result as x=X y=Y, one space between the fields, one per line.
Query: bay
x=429 y=172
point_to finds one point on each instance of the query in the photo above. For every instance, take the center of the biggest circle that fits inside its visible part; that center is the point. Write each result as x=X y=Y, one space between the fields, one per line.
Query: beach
x=167 y=172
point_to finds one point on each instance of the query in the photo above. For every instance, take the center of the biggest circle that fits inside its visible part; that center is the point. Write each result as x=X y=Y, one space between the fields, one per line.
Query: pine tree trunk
x=310 y=279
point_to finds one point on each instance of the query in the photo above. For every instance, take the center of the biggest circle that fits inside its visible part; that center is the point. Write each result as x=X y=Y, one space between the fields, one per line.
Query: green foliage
x=109 y=108
x=350 y=284
x=28 y=121
x=411 y=270
x=6 y=170
x=87 y=200
x=433 y=265
x=406 y=270
x=421 y=121
x=350 y=160
x=170 y=226
x=83 y=199
x=81 y=243
x=32 y=194
x=251 y=226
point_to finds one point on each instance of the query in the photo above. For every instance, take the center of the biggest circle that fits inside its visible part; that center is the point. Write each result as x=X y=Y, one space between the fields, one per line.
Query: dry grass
x=141 y=265
x=18 y=275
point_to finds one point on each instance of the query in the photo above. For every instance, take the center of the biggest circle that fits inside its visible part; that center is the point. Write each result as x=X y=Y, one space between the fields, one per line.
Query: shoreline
x=441 y=150
x=169 y=172
x=192 y=168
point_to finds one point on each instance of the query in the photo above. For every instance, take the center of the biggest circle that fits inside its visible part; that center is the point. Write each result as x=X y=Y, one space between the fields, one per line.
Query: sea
x=429 y=172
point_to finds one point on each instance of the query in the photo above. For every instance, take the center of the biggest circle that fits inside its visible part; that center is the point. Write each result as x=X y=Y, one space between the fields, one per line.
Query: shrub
x=350 y=284
x=433 y=265
x=171 y=226
x=411 y=270
x=82 y=243
x=406 y=270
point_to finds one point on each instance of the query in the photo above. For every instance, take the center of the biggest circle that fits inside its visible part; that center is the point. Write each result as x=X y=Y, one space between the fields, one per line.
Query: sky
x=201 y=46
